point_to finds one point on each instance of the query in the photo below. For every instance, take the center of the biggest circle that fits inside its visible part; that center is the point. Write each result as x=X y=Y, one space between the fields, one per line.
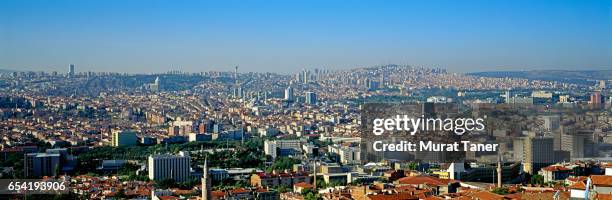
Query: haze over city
x=288 y=36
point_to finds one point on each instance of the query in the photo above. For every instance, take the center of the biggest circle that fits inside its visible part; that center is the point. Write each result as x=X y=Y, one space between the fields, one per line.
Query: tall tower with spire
x=236 y=75
x=238 y=93
x=206 y=182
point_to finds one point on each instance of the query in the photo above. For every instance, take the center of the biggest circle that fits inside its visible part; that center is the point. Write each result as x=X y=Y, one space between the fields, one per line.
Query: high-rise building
x=167 y=166
x=155 y=86
x=306 y=76
x=551 y=122
x=311 y=98
x=37 y=165
x=347 y=155
x=206 y=183
x=276 y=148
x=373 y=85
x=236 y=76
x=535 y=152
x=289 y=94
x=239 y=92
x=578 y=144
x=71 y=70
x=123 y=138
x=270 y=148
x=596 y=98
x=507 y=96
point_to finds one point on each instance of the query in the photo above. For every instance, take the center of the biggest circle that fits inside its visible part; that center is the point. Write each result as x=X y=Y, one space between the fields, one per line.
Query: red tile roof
x=217 y=193
x=303 y=185
x=429 y=180
x=578 y=185
x=554 y=168
x=601 y=180
x=486 y=195
x=238 y=191
x=603 y=196
x=400 y=196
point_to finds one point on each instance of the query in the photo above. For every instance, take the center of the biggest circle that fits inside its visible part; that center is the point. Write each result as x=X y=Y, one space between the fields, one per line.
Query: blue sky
x=287 y=36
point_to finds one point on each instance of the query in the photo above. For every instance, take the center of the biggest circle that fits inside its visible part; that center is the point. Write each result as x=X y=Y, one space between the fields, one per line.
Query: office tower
x=167 y=166
x=347 y=155
x=239 y=92
x=518 y=149
x=535 y=152
x=289 y=94
x=311 y=98
x=235 y=92
x=276 y=148
x=155 y=86
x=596 y=98
x=306 y=76
x=71 y=70
x=507 y=96
x=37 y=165
x=270 y=148
x=578 y=144
x=551 y=122
x=123 y=138
x=206 y=182
x=373 y=85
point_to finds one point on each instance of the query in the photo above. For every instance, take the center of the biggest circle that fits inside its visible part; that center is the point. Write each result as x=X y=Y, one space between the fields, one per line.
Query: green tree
x=501 y=190
x=312 y=196
x=283 y=189
x=537 y=179
x=413 y=166
x=306 y=192
x=166 y=183
x=283 y=163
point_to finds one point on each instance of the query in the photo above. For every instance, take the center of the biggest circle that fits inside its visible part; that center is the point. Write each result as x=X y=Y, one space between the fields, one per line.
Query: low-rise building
x=275 y=179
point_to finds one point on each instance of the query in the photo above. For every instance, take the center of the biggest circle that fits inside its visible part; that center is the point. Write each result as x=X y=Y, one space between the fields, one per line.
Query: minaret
x=314 y=176
x=499 y=172
x=206 y=182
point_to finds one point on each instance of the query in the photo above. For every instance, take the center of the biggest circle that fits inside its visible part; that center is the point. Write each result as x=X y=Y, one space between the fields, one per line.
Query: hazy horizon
x=64 y=69
x=138 y=36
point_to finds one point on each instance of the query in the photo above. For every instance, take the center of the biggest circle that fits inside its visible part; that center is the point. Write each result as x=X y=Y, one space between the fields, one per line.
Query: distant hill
x=568 y=76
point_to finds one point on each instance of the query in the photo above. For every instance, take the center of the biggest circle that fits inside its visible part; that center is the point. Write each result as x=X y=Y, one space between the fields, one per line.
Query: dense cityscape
x=235 y=135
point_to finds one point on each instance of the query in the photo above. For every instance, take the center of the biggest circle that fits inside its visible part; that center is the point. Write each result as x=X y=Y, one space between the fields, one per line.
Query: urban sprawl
x=236 y=135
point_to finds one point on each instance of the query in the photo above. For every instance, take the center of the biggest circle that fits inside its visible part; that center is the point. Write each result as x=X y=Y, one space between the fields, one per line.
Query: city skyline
x=286 y=37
